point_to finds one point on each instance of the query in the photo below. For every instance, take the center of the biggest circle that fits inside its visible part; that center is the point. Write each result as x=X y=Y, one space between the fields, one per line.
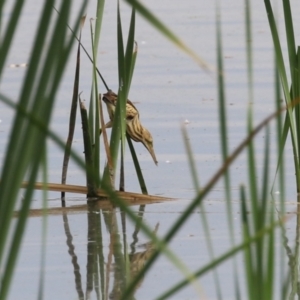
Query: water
x=167 y=88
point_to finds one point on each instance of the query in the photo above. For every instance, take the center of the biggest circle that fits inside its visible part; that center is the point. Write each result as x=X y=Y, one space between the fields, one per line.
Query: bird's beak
x=151 y=151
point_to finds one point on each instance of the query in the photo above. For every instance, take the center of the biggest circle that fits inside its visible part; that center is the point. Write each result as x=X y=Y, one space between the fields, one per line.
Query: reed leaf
x=8 y=34
x=130 y=59
x=92 y=108
x=14 y=245
x=259 y=259
x=224 y=140
x=290 y=120
x=88 y=153
x=98 y=107
x=72 y=118
x=204 y=220
x=132 y=63
x=248 y=251
x=122 y=95
x=13 y=161
x=280 y=169
x=119 y=125
x=44 y=73
x=98 y=24
x=44 y=226
x=137 y=167
x=94 y=115
x=131 y=53
x=125 y=67
x=290 y=38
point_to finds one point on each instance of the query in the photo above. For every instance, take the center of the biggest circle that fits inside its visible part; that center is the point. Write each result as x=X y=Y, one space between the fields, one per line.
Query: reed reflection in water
x=122 y=264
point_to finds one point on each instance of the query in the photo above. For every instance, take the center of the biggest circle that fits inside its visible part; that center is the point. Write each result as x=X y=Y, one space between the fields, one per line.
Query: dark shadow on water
x=112 y=264
x=71 y=251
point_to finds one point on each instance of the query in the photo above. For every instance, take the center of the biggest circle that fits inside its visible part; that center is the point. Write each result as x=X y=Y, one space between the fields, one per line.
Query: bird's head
x=110 y=99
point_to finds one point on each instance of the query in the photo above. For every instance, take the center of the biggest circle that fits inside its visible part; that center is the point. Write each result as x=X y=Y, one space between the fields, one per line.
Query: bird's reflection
x=109 y=265
x=138 y=259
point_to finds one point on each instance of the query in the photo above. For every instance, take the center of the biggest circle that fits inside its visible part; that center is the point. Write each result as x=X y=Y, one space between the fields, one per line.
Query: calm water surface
x=84 y=248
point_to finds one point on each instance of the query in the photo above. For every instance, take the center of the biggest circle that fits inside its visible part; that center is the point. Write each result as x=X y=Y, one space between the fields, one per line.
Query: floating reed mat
x=132 y=198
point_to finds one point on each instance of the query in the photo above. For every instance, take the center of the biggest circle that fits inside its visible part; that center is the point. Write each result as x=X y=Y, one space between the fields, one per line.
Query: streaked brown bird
x=134 y=128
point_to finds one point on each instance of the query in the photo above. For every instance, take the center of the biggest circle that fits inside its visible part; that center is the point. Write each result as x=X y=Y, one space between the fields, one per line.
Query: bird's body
x=134 y=128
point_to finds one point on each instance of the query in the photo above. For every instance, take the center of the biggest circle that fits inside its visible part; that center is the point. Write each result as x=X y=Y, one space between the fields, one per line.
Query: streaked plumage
x=134 y=128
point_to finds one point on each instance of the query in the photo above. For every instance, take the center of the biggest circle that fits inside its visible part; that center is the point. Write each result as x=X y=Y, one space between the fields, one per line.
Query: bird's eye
x=129 y=118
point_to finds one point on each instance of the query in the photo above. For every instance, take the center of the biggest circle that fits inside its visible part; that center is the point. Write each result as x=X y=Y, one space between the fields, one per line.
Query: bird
x=134 y=128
